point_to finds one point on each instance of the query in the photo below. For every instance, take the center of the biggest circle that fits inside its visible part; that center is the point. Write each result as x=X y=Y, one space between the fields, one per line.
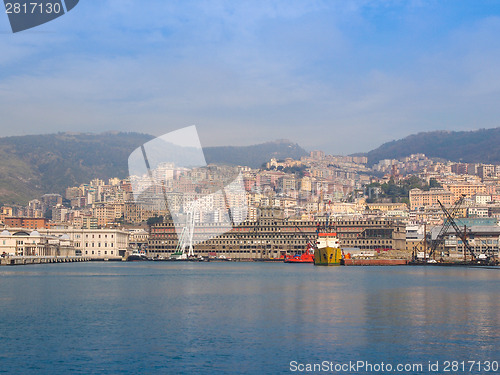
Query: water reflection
x=444 y=313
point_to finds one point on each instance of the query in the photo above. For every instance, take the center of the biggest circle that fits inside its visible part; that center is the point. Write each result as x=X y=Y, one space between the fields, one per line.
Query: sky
x=336 y=75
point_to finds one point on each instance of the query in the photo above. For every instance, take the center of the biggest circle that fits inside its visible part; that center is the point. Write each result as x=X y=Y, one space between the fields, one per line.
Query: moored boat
x=306 y=257
x=328 y=251
x=136 y=256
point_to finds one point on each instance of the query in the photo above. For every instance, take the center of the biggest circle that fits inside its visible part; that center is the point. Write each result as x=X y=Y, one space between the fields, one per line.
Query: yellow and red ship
x=328 y=251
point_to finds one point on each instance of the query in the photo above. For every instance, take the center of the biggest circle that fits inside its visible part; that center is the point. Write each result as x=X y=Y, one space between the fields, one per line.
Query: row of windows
x=152 y=243
x=228 y=251
x=105 y=252
x=366 y=242
x=98 y=244
x=299 y=223
x=295 y=247
x=105 y=236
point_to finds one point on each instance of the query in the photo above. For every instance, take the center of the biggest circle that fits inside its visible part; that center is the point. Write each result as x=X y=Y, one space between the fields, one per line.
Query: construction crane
x=462 y=235
x=446 y=225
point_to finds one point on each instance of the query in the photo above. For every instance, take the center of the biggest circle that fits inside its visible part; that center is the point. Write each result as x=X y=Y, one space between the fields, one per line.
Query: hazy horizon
x=308 y=149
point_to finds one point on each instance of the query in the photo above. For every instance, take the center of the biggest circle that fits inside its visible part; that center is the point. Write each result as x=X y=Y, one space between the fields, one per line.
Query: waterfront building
x=138 y=237
x=95 y=243
x=483 y=239
x=273 y=235
x=20 y=242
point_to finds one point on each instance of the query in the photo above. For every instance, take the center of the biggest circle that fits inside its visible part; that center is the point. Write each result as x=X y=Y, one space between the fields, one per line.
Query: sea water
x=248 y=318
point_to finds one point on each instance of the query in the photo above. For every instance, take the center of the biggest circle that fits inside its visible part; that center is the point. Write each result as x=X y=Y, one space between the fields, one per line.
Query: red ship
x=306 y=257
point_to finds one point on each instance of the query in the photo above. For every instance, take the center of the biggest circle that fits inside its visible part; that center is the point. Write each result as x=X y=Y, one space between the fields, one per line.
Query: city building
x=272 y=236
x=19 y=242
x=95 y=243
x=27 y=222
x=420 y=199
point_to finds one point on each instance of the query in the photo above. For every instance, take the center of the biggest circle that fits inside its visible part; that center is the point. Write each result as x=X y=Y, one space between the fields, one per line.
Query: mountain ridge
x=474 y=146
x=32 y=165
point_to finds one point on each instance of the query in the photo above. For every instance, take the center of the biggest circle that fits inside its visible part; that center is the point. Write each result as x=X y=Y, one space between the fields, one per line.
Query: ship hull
x=328 y=256
x=298 y=260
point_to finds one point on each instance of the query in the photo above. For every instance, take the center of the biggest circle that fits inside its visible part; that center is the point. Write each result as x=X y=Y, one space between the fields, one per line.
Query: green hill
x=466 y=146
x=254 y=156
x=33 y=165
x=36 y=164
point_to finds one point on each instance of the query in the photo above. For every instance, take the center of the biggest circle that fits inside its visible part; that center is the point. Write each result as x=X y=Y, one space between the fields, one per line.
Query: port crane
x=310 y=243
x=460 y=233
x=450 y=215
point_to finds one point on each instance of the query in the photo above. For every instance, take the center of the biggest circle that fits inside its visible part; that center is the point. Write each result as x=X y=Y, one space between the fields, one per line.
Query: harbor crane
x=446 y=225
x=459 y=232
x=310 y=242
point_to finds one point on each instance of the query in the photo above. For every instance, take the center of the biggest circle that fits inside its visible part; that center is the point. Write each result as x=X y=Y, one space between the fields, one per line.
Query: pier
x=375 y=262
x=25 y=260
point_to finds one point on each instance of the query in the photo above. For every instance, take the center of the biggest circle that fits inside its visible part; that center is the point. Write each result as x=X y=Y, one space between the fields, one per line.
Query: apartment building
x=420 y=199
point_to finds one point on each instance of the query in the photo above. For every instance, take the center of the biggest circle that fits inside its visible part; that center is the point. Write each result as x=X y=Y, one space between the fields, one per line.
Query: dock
x=375 y=262
x=25 y=260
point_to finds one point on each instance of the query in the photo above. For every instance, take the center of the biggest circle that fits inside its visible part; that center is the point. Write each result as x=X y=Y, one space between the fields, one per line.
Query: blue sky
x=342 y=76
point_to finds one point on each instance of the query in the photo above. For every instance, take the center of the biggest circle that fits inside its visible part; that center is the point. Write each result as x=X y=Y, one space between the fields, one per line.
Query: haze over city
x=339 y=76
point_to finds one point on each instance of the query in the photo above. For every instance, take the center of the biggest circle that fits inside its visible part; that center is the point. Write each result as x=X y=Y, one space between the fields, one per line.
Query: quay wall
x=26 y=260
x=375 y=262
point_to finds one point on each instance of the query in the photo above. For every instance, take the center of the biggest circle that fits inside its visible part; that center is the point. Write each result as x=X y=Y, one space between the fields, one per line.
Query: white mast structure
x=186 y=238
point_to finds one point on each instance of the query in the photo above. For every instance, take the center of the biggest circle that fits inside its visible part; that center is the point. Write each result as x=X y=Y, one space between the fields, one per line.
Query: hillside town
x=105 y=220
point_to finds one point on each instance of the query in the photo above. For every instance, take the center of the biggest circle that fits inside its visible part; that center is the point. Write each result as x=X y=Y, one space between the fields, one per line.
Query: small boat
x=136 y=256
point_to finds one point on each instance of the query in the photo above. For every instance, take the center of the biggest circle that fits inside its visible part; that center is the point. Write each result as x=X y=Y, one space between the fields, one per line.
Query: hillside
x=466 y=146
x=254 y=156
x=36 y=164
x=33 y=165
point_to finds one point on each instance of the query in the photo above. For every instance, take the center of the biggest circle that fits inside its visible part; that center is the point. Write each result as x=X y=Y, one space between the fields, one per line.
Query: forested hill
x=37 y=164
x=33 y=165
x=254 y=156
x=467 y=146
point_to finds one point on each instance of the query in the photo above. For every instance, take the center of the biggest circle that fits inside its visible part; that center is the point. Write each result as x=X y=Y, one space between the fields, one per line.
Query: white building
x=32 y=243
x=96 y=243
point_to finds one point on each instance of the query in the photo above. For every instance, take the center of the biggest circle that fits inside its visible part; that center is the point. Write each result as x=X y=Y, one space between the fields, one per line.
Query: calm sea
x=248 y=318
